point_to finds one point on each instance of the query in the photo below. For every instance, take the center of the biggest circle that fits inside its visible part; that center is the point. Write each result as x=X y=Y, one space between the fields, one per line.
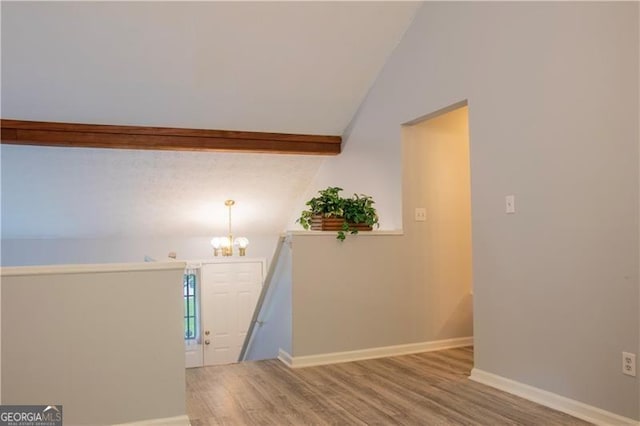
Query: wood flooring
x=423 y=389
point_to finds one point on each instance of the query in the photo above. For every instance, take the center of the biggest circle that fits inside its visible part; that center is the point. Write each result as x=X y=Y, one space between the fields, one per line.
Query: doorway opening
x=437 y=217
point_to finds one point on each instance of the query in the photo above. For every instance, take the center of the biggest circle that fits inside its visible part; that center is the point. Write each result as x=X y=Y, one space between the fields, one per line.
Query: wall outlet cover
x=629 y=364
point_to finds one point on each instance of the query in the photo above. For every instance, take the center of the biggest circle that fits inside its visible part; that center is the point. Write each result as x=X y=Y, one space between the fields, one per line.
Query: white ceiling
x=294 y=67
x=299 y=67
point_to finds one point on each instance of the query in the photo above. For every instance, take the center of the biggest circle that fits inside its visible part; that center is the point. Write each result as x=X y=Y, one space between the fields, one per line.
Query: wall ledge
x=382 y=233
x=552 y=400
x=372 y=353
x=13 y=271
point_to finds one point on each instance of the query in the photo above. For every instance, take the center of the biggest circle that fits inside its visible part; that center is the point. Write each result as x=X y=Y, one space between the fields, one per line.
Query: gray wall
x=105 y=342
x=552 y=90
x=365 y=293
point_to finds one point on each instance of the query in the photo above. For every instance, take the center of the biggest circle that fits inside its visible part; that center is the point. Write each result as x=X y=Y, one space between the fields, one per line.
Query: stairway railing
x=263 y=294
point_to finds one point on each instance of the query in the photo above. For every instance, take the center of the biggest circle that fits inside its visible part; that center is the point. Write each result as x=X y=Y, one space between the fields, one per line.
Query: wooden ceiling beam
x=43 y=133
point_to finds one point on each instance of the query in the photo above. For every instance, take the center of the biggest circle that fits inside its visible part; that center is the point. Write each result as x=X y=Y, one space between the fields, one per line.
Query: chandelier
x=224 y=245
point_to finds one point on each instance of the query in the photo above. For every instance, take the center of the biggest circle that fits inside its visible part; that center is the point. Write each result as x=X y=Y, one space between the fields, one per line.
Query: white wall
x=84 y=336
x=21 y=252
x=552 y=90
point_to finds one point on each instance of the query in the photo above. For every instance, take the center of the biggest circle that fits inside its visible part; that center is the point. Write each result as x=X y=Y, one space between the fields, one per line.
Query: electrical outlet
x=629 y=364
x=420 y=214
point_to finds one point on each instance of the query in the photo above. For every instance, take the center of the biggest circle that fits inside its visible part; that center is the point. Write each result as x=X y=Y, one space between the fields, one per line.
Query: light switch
x=420 y=214
x=510 y=204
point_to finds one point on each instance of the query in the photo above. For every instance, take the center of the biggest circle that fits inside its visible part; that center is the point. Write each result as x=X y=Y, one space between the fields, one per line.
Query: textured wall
x=65 y=205
x=100 y=193
x=22 y=252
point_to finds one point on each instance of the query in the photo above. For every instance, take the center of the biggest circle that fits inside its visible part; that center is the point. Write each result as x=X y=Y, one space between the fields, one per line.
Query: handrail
x=263 y=294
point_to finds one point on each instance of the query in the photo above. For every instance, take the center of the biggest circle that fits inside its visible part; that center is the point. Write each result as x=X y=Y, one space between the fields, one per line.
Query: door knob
x=207 y=342
x=206 y=333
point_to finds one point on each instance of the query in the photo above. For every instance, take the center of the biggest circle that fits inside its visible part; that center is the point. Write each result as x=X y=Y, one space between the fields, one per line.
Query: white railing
x=266 y=288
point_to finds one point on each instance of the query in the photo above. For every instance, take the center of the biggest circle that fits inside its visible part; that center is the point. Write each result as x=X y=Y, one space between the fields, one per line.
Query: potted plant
x=331 y=212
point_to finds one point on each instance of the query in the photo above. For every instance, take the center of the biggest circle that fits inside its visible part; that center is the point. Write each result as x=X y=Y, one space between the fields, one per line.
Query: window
x=190 y=305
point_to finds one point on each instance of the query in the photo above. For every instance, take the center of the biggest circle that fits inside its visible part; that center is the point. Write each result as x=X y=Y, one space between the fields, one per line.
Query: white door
x=229 y=295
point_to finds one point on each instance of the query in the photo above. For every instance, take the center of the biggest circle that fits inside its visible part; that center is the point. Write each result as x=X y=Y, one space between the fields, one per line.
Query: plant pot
x=321 y=223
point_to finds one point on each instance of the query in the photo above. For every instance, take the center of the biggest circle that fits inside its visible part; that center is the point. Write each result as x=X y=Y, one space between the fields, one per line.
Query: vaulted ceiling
x=289 y=67
x=292 y=67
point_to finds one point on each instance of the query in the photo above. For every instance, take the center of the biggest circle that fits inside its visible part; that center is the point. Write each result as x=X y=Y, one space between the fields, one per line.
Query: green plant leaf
x=357 y=209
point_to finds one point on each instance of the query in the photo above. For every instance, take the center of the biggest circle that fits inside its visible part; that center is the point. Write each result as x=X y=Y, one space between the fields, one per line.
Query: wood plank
x=321 y=223
x=41 y=133
x=419 y=389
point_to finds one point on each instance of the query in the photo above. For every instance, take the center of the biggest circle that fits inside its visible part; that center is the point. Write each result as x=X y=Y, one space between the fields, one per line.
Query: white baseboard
x=557 y=402
x=371 y=353
x=285 y=357
x=166 y=421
